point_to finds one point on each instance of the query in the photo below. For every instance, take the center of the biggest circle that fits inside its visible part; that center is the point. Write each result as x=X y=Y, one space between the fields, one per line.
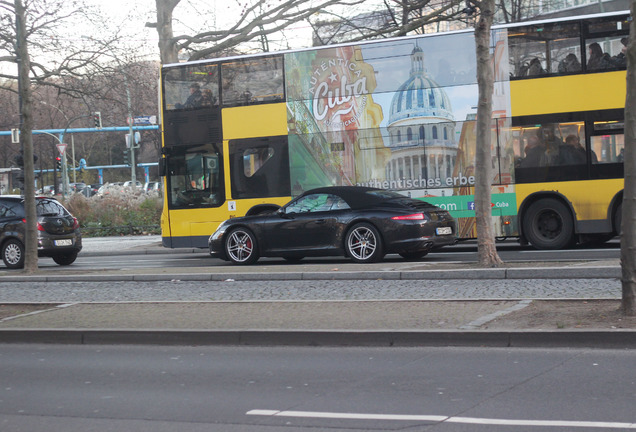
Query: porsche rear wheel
x=241 y=247
x=363 y=243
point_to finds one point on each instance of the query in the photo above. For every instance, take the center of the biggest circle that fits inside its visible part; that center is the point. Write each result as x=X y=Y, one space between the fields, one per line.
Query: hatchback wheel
x=65 y=259
x=363 y=243
x=241 y=247
x=13 y=254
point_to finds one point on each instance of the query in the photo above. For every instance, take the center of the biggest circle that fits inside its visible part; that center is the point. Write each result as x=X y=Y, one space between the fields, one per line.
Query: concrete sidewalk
x=496 y=323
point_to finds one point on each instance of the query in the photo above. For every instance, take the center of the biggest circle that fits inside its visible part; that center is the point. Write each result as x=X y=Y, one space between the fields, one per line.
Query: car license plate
x=444 y=230
x=67 y=242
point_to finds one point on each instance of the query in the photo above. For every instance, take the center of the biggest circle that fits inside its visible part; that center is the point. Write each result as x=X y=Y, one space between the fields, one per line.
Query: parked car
x=129 y=184
x=359 y=222
x=47 y=190
x=93 y=188
x=151 y=187
x=108 y=188
x=77 y=187
x=58 y=231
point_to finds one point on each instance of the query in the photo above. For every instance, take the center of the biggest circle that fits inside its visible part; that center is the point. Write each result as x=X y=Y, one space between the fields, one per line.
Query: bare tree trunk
x=487 y=252
x=26 y=128
x=628 y=236
x=167 y=46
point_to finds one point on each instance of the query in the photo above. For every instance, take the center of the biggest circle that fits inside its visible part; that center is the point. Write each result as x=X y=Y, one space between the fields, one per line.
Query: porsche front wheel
x=241 y=246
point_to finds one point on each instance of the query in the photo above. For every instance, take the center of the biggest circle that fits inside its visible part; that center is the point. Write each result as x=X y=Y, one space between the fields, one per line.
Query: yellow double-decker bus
x=243 y=135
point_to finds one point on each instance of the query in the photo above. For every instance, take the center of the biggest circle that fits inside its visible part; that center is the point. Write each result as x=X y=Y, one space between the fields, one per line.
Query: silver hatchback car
x=59 y=234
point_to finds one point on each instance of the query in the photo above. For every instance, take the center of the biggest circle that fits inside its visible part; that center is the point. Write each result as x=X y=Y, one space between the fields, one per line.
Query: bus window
x=255 y=158
x=259 y=167
x=606 y=43
x=606 y=53
x=545 y=49
x=608 y=142
x=195 y=180
x=252 y=81
x=550 y=152
x=190 y=87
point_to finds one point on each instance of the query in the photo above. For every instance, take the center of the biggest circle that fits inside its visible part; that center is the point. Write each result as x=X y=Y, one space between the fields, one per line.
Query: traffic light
x=19 y=159
x=58 y=163
x=97 y=119
x=126 y=157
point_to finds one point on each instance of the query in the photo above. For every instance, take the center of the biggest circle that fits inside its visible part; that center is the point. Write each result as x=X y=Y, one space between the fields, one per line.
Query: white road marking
x=58 y=307
x=442 y=419
x=479 y=322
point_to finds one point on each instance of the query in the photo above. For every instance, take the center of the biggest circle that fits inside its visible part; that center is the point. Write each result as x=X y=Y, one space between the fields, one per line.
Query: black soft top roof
x=358 y=196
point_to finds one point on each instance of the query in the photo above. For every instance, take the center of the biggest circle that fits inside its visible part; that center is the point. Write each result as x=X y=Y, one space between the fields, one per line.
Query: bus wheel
x=241 y=247
x=548 y=224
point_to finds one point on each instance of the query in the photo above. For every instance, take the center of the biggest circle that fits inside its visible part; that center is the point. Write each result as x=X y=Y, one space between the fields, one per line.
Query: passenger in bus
x=620 y=157
x=535 y=68
x=570 y=64
x=208 y=98
x=552 y=144
x=597 y=59
x=534 y=153
x=195 y=99
x=620 y=60
x=572 y=152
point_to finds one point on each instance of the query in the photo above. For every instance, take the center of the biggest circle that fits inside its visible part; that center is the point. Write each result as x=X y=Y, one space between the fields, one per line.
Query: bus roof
x=400 y=38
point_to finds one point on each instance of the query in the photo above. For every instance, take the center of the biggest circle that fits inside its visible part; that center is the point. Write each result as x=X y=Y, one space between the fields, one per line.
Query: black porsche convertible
x=362 y=223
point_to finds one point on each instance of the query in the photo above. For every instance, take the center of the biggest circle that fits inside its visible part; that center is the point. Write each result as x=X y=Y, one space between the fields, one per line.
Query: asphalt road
x=146 y=252
x=191 y=389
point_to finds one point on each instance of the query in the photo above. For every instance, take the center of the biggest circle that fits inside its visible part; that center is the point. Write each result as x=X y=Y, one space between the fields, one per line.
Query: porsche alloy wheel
x=363 y=243
x=240 y=246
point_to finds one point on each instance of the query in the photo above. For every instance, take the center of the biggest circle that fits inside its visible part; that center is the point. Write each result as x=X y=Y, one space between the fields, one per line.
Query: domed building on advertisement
x=421 y=132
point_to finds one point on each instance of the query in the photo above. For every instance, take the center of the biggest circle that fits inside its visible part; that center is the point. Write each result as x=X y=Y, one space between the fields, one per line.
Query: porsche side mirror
x=281 y=212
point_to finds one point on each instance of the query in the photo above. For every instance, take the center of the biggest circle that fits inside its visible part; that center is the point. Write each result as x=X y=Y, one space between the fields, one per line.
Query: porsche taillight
x=414 y=216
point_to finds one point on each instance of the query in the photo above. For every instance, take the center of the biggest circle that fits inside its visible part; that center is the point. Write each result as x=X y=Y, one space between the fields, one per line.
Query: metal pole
x=63 y=173
x=73 y=157
x=64 y=170
x=131 y=135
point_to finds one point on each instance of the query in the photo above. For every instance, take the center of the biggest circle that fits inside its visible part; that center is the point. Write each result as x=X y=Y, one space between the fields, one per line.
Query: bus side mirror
x=162 y=167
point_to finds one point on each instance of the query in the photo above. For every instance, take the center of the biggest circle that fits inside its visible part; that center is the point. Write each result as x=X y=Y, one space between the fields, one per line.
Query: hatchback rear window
x=48 y=207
